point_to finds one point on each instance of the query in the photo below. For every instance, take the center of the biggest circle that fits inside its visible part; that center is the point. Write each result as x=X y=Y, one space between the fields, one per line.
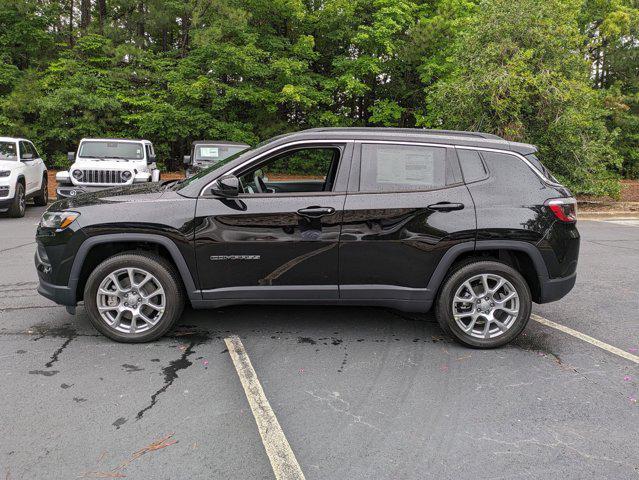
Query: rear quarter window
x=515 y=181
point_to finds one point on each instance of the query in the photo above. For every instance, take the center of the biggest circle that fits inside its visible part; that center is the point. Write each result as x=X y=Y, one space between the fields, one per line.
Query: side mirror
x=27 y=156
x=71 y=156
x=150 y=159
x=228 y=186
x=187 y=160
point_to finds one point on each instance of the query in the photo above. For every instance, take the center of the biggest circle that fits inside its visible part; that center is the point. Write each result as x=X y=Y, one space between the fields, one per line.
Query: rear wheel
x=134 y=297
x=484 y=304
x=42 y=198
x=19 y=205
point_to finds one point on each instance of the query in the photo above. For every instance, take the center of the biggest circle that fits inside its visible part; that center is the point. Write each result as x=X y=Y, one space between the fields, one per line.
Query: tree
x=612 y=32
x=561 y=74
x=518 y=71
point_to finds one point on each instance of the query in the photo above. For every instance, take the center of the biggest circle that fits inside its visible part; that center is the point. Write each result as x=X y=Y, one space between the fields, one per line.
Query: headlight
x=5 y=173
x=58 y=220
x=77 y=174
x=126 y=175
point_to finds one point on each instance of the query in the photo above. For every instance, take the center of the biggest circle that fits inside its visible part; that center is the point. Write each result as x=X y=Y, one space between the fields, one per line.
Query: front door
x=278 y=240
x=407 y=209
x=31 y=167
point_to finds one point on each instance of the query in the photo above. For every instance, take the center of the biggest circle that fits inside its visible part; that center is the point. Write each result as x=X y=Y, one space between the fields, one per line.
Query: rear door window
x=472 y=165
x=392 y=168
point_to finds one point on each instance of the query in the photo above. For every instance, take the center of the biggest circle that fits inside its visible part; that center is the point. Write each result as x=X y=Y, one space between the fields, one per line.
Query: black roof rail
x=425 y=131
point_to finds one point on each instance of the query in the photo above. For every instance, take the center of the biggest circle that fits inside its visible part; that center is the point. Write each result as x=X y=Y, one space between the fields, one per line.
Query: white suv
x=107 y=162
x=23 y=175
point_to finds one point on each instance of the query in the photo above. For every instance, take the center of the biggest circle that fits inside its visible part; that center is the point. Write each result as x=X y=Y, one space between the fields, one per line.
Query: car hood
x=146 y=192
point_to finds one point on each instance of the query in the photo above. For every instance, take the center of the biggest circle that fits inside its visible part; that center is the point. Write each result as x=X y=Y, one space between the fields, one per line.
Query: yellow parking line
x=280 y=454
x=586 y=338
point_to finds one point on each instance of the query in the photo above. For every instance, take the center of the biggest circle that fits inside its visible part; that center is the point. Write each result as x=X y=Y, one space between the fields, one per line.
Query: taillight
x=564 y=209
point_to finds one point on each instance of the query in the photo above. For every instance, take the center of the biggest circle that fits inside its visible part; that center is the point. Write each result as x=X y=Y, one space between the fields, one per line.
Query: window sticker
x=210 y=152
x=415 y=168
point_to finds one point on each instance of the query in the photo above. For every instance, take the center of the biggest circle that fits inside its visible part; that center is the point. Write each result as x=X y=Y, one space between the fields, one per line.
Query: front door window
x=300 y=170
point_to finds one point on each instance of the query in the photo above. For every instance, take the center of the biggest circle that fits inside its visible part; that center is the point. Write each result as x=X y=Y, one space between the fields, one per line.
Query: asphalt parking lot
x=359 y=392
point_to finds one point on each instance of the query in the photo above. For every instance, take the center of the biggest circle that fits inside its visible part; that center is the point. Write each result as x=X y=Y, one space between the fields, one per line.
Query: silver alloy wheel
x=131 y=300
x=485 y=306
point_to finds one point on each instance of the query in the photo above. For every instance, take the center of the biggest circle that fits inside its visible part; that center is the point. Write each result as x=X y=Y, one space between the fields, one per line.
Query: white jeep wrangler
x=23 y=175
x=107 y=162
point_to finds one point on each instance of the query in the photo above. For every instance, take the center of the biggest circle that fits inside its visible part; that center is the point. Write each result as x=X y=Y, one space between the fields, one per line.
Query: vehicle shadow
x=320 y=324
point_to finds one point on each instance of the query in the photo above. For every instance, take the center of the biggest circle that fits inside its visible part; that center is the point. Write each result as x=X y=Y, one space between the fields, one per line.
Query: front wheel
x=134 y=297
x=19 y=205
x=42 y=198
x=484 y=304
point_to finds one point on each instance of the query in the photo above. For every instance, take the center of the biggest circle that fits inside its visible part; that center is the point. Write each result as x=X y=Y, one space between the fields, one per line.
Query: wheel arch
x=90 y=254
x=522 y=256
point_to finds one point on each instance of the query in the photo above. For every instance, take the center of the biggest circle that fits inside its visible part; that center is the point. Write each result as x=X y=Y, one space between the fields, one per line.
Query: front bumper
x=5 y=204
x=60 y=294
x=59 y=288
x=70 y=191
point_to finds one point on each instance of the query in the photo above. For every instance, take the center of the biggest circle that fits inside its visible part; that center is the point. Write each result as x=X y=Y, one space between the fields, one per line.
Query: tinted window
x=514 y=177
x=302 y=170
x=390 y=168
x=8 y=151
x=472 y=165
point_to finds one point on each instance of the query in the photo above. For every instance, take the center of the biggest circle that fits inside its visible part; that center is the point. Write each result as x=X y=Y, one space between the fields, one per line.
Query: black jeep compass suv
x=400 y=218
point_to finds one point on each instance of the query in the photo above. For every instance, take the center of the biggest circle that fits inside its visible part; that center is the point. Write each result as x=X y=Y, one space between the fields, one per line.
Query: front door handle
x=316 y=212
x=446 y=206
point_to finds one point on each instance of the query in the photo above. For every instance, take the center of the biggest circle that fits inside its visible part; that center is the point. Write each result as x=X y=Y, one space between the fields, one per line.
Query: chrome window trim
x=268 y=152
x=515 y=154
x=388 y=142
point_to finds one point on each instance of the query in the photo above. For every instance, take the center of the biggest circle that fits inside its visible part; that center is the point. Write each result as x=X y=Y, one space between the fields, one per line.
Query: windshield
x=216 y=152
x=112 y=149
x=213 y=166
x=8 y=151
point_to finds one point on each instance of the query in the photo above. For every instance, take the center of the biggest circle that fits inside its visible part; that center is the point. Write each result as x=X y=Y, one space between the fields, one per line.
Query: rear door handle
x=446 y=206
x=316 y=212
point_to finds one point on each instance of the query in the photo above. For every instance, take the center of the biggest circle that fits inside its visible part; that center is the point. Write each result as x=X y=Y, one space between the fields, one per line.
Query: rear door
x=278 y=240
x=407 y=205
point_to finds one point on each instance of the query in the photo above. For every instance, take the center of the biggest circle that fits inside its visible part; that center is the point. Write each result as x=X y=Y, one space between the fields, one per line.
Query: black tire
x=42 y=198
x=454 y=280
x=161 y=269
x=18 y=207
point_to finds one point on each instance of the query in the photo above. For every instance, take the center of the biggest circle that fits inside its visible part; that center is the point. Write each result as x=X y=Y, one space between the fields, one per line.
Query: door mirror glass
x=187 y=159
x=150 y=159
x=71 y=156
x=228 y=186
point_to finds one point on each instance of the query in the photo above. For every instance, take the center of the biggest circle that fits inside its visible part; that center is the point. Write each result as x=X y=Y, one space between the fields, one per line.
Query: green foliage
x=561 y=74
x=515 y=73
